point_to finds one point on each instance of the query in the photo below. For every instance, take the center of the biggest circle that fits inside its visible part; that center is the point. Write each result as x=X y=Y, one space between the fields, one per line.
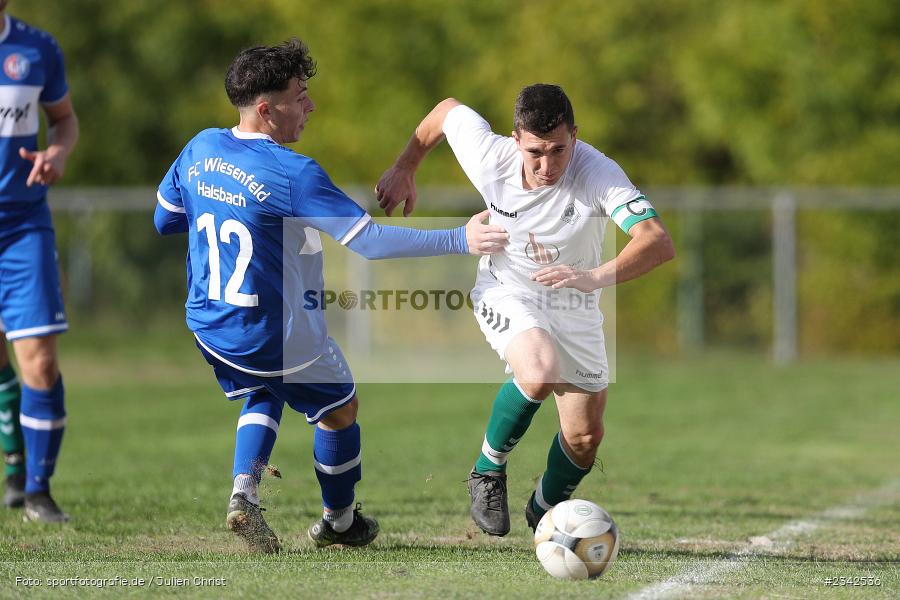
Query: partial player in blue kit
x=253 y=211
x=31 y=305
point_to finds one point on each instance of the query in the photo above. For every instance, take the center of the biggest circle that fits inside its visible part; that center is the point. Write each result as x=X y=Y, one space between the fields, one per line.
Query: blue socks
x=43 y=421
x=256 y=432
x=337 y=456
x=336 y=453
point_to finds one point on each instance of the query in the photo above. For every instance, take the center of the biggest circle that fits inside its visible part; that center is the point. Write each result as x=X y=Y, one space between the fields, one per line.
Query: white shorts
x=504 y=311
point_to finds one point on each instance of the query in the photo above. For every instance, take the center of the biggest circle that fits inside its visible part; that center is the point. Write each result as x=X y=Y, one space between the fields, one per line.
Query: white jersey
x=557 y=224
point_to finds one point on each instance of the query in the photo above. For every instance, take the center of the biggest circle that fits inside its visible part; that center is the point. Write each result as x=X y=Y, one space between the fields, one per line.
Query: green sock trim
x=561 y=477
x=510 y=419
x=10 y=431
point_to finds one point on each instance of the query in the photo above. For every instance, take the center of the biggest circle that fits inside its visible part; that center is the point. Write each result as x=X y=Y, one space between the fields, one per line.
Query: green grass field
x=700 y=456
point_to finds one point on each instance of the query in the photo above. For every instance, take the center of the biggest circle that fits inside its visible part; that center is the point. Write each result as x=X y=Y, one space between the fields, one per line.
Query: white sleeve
x=618 y=198
x=481 y=153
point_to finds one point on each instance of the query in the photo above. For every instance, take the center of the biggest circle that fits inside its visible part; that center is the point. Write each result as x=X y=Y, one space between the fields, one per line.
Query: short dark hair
x=266 y=69
x=541 y=108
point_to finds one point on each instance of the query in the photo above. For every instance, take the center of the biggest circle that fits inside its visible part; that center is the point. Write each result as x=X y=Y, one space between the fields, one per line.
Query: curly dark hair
x=266 y=69
x=541 y=108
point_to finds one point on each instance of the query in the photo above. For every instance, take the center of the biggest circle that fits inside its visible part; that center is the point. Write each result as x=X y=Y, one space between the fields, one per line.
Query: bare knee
x=583 y=443
x=539 y=375
x=532 y=356
x=535 y=388
x=341 y=418
x=41 y=373
x=38 y=362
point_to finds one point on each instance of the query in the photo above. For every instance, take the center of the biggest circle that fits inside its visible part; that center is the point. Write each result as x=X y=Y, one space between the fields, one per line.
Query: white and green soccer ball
x=576 y=539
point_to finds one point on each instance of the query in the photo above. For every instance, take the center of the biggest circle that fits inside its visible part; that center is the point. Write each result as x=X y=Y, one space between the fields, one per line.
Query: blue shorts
x=326 y=385
x=31 y=303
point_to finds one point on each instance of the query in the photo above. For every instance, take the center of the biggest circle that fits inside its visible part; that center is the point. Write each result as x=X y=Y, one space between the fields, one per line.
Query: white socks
x=340 y=520
x=246 y=485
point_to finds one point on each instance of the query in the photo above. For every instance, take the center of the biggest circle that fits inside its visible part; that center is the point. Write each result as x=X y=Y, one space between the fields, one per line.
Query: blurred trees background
x=686 y=92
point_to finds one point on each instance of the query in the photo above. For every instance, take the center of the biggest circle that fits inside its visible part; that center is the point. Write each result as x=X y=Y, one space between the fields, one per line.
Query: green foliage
x=784 y=89
x=135 y=273
x=737 y=272
x=678 y=92
x=850 y=260
x=799 y=92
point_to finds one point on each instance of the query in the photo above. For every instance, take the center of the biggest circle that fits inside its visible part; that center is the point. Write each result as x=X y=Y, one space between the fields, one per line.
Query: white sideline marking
x=698 y=574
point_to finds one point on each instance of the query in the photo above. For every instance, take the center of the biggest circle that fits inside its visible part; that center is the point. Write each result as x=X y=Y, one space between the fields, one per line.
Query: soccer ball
x=576 y=539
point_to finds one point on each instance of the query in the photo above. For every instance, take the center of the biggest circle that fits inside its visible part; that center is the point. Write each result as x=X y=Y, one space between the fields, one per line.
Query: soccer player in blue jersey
x=31 y=303
x=253 y=210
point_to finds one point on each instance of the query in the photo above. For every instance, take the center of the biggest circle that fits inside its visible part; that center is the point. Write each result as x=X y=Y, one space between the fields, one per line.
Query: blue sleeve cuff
x=460 y=243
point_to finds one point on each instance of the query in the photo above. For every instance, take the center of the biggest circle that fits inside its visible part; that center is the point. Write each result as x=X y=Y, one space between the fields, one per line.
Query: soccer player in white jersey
x=253 y=209
x=537 y=301
x=32 y=80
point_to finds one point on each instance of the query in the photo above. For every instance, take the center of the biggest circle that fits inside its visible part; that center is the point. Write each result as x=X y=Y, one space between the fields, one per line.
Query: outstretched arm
x=398 y=184
x=376 y=241
x=649 y=247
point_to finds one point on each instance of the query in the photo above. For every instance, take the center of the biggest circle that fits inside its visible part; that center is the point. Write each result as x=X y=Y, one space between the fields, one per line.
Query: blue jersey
x=253 y=212
x=32 y=74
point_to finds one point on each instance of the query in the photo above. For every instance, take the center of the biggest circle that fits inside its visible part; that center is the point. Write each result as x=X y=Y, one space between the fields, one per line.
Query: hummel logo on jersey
x=488 y=314
x=509 y=215
x=15 y=113
x=542 y=254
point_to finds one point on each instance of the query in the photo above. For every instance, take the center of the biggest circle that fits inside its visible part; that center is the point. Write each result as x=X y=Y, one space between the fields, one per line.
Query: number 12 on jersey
x=207 y=222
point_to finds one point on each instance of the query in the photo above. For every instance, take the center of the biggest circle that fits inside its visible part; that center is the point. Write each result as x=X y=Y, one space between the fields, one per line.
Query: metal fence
x=688 y=206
